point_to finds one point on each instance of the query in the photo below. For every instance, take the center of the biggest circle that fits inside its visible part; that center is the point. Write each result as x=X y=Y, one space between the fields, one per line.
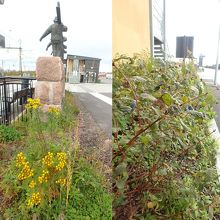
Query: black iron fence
x=14 y=92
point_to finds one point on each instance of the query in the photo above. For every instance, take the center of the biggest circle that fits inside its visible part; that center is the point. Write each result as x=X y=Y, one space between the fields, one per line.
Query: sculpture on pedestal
x=57 y=39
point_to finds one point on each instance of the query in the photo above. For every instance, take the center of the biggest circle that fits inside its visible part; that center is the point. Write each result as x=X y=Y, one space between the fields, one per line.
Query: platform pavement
x=215 y=123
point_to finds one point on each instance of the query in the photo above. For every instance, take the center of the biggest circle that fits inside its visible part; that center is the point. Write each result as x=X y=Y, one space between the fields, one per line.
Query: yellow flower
x=54 y=110
x=48 y=159
x=26 y=172
x=34 y=200
x=32 y=184
x=44 y=177
x=60 y=166
x=33 y=103
x=61 y=181
x=20 y=160
x=61 y=156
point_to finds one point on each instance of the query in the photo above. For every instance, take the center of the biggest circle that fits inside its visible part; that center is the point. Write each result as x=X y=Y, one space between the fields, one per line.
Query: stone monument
x=50 y=86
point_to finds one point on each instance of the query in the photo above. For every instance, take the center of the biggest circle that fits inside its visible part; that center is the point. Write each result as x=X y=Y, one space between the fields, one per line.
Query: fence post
x=6 y=104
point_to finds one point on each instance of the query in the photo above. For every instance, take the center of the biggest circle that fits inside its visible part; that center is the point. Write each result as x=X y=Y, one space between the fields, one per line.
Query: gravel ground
x=92 y=138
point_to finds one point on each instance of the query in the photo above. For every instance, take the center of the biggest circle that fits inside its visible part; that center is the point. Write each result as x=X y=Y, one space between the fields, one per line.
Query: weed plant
x=8 y=134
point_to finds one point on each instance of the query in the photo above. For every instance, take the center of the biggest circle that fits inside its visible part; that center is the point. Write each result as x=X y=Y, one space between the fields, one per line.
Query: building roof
x=81 y=57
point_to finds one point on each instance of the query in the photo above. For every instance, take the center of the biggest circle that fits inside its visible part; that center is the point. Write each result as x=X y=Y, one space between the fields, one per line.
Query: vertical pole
x=164 y=27
x=6 y=103
x=217 y=58
x=151 y=28
x=20 y=61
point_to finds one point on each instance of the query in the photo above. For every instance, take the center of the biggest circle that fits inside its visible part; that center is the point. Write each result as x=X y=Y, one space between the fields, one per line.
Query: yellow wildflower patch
x=44 y=177
x=48 y=159
x=34 y=200
x=20 y=160
x=33 y=103
x=61 y=181
x=54 y=110
x=26 y=172
x=61 y=157
x=32 y=184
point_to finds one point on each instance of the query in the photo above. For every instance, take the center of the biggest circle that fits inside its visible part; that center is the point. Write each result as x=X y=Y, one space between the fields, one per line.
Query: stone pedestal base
x=50 y=86
x=50 y=93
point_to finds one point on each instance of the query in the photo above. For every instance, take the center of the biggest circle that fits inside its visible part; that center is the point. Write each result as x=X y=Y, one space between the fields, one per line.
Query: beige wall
x=130 y=26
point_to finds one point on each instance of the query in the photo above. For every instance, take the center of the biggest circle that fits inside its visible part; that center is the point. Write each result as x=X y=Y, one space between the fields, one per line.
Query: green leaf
x=211 y=213
x=125 y=109
x=157 y=111
x=139 y=79
x=163 y=172
x=183 y=124
x=148 y=96
x=167 y=99
x=144 y=140
x=185 y=99
x=195 y=90
x=120 y=184
x=121 y=168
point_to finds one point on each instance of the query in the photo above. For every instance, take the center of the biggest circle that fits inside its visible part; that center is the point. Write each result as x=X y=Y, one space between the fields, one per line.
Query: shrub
x=163 y=153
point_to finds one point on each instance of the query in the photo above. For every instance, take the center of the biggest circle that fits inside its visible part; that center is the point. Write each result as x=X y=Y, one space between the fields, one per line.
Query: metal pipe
x=217 y=57
x=164 y=27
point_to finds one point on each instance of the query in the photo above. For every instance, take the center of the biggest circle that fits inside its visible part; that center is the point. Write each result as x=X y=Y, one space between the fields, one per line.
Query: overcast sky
x=198 y=18
x=89 y=25
x=89 y=32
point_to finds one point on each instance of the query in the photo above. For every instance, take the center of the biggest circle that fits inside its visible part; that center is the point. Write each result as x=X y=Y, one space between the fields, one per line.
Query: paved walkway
x=95 y=118
x=208 y=77
x=96 y=98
